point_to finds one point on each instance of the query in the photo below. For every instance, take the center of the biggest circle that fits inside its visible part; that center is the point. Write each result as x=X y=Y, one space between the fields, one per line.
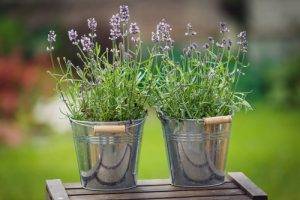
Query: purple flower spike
x=242 y=34
x=51 y=36
x=190 y=49
x=154 y=37
x=134 y=30
x=242 y=41
x=164 y=30
x=229 y=44
x=163 y=35
x=87 y=44
x=190 y=31
x=73 y=36
x=92 y=24
x=124 y=13
x=115 y=20
x=223 y=27
x=115 y=31
x=194 y=46
x=51 y=39
x=206 y=46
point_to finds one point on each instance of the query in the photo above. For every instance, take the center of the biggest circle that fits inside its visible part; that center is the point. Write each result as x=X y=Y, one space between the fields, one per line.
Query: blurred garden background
x=35 y=138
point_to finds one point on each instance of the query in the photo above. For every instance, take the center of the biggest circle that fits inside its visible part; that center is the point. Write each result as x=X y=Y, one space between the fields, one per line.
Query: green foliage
x=110 y=85
x=11 y=34
x=105 y=90
x=202 y=83
x=285 y=88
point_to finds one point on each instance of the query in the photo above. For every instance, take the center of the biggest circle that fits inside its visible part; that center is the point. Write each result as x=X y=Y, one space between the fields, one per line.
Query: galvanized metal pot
x=107 y=153
x=197 y=150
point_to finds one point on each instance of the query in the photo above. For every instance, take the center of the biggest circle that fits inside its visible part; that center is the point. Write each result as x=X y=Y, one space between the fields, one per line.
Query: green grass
x=264 y=145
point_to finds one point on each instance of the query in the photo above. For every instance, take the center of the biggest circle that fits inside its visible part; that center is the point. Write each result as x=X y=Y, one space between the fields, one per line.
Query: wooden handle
x=110 y=129
x=217 y=120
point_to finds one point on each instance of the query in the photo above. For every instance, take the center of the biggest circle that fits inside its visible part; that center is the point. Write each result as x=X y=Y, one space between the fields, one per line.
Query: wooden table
x=236 y=187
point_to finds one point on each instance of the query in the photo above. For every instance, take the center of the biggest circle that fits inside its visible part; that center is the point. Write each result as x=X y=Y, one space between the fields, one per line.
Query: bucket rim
x=109 y=122
x=162 y=115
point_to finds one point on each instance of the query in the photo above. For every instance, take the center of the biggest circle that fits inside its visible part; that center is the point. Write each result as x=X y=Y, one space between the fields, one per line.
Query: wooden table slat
x=155 y=195
x=56 y=190
x=231 y=197
x=248 y=186
x=139 y=182
x=145 y=189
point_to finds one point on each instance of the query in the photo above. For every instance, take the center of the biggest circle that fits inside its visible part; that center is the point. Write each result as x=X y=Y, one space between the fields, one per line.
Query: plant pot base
x=107 y=189
x=198 y=186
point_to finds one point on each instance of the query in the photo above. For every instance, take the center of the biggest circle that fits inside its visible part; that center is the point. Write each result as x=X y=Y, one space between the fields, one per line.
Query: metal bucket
x=197 y=150
x=107 y=153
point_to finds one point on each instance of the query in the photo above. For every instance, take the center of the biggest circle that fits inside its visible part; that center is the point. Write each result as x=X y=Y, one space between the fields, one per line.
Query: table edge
x=247 y=185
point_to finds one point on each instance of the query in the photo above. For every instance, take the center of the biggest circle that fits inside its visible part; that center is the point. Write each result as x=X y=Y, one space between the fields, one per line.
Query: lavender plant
x=111 y=84
x=203 y=82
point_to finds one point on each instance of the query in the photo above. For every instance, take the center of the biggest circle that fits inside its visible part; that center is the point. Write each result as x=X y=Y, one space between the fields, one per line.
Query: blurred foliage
x=285 y=83
x=23 y=83
x=12 y=34
x=23 y=79
x=254 y=82
x=15 y=36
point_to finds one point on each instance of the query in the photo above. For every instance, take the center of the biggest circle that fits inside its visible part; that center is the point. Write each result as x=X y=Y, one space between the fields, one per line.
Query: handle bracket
x=217 y=120
x=109 y=129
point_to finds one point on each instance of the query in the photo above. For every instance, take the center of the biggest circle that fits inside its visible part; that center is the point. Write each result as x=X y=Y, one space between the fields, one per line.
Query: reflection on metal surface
x=196 y=152
x=107 y=160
